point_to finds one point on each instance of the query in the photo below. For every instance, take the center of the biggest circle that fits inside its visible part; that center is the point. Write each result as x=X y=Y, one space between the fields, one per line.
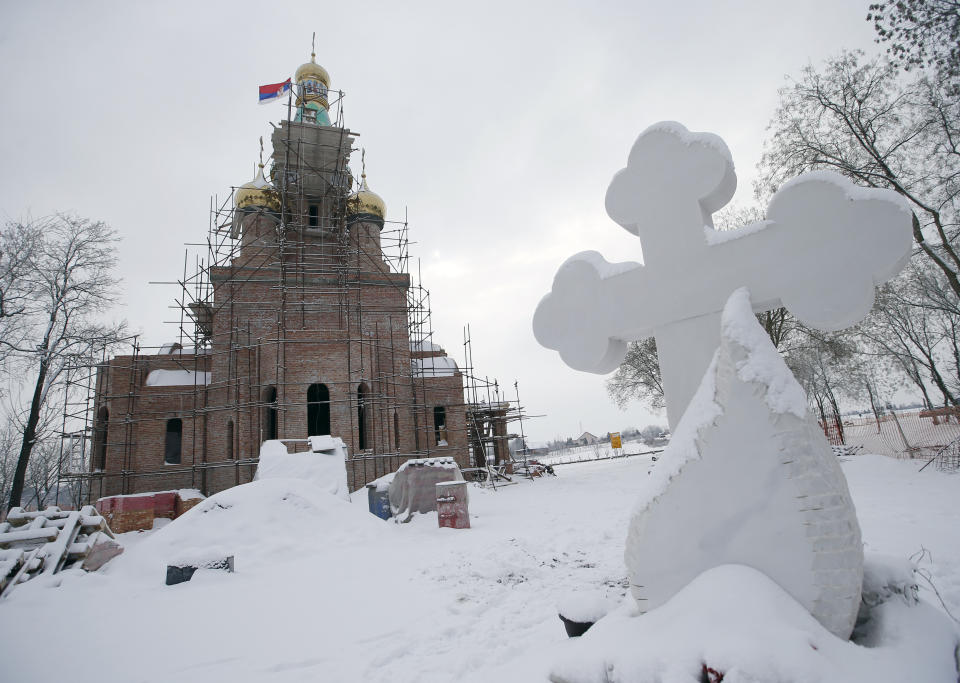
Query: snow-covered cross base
x=824 y=246
x=748 y=478
x=737 y=622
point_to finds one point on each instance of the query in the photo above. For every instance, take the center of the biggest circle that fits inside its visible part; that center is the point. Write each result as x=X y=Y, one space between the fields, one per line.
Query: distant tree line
x=892 y=122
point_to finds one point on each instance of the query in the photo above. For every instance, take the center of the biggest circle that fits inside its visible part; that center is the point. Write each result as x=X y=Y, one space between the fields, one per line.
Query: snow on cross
x=821 y=251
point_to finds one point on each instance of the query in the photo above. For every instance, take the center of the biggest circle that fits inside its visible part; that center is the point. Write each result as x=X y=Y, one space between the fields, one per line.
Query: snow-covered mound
x=260 y=524
x=323 y=467
x=736 y=621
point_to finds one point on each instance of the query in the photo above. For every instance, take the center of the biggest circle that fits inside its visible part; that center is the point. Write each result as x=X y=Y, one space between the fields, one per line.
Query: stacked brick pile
x=136 y=512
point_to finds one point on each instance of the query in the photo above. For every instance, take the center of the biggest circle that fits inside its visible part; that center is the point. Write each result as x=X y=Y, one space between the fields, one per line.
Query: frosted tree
x=867 y=120
x=921 y=34
x=860 y=118
x=638 y=377
x=18 y=245
x=64 y=284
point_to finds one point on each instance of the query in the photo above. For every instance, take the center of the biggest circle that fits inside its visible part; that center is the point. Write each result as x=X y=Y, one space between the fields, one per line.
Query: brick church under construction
x=302 y=320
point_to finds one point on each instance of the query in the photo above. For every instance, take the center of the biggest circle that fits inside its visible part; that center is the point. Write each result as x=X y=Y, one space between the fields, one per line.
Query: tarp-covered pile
x=413 y=489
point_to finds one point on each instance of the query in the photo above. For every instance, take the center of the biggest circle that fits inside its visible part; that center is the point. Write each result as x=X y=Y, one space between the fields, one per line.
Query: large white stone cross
x=821 y=251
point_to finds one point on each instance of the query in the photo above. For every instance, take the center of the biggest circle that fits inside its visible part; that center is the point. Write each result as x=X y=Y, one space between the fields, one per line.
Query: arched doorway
x=100 y=439
x=440 y=425
x=318 y=410
x=362 y=417
x=396 y=430
x=173 y=443
x=269 y=425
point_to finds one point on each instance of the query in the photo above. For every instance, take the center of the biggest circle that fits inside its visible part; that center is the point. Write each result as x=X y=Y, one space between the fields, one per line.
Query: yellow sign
x=615 y=440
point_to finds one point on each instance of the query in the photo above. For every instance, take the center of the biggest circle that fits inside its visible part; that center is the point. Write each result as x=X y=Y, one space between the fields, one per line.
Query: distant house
x=586 y=439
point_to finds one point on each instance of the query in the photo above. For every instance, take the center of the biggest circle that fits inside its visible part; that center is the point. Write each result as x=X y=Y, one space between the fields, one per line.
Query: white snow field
x=325 y=591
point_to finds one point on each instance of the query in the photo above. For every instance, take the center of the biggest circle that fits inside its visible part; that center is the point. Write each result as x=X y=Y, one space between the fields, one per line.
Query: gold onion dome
x=366 y=204
x=257 y=193
x=312 y=70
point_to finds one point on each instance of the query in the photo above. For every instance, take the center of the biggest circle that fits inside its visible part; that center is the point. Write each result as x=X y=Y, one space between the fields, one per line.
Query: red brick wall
x=137 y=512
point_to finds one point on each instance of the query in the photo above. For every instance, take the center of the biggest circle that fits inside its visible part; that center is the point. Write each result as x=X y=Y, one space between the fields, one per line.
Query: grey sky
x=497 y=125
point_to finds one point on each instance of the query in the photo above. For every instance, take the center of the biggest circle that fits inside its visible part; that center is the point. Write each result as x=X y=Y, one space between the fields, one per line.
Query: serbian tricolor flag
x=269 y=93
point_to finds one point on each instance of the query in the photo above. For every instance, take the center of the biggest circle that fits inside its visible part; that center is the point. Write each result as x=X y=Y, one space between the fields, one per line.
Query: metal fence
x=919 y=434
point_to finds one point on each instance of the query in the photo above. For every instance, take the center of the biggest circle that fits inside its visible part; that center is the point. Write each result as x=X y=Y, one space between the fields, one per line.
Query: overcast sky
x=497 y=126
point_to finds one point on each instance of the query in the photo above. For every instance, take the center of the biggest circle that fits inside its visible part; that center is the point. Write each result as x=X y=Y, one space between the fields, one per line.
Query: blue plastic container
x=378 y=501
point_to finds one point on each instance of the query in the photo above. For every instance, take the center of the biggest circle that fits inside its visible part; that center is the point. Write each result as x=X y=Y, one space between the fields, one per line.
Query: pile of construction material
x=413 y=488
x=51 y=540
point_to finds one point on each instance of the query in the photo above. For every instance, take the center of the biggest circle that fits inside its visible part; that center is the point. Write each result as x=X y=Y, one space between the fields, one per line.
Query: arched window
x=440 y=425
x=396 y=430
x=230 y=440
x=100 y=439
x=362 y=420
x=318 y=410
x=269 y=425
x=174 y=441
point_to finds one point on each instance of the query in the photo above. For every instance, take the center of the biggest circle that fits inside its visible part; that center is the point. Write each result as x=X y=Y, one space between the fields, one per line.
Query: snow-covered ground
x=598 y=451
x=325 y=591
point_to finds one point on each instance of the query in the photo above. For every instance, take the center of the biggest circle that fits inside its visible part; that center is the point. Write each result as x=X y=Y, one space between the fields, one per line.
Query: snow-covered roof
x=176 y=378
x=434 y=366
x=424 y=347
x=174 y=349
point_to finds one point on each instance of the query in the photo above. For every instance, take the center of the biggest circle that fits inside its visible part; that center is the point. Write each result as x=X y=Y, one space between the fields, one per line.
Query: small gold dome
x=257 y=193
x=366 y=203
x=312 y=70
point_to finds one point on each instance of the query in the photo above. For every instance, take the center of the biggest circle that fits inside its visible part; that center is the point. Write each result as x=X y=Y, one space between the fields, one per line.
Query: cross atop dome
x=365 y=204
x=312 y=83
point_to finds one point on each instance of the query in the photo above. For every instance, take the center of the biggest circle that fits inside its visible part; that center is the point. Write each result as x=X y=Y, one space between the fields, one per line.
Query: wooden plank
x=43 y=533
x=57 y=550
x=23 y=569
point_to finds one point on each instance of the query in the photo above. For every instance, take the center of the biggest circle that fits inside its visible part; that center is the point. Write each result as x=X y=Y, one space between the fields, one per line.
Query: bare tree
x=9 y=447
x=638 y=377
x=18 y=245
x=911 y=327
x=69 y=283
x=41 y=478
x=652 y=432
x=859 y=118
x=827 y=365
x=922 y=34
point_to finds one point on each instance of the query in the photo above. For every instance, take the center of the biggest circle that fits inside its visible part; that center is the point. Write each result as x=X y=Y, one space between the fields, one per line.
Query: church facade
x=305 y=327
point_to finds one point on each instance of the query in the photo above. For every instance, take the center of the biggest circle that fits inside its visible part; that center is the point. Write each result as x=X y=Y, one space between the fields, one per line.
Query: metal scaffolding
x=316 y=272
